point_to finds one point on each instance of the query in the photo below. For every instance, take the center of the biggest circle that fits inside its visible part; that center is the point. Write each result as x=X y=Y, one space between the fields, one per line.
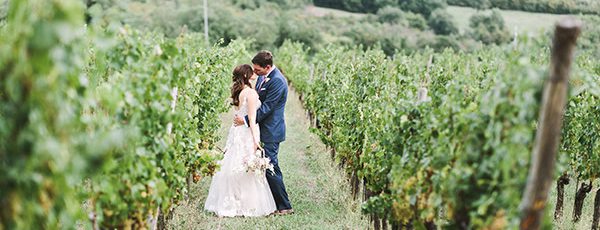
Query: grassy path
x=566 y=222
x=318 y=191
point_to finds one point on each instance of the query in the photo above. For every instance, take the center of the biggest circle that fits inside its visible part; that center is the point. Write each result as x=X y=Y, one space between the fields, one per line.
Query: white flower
x=157 y=50
x=169 y=128
x=403 y=119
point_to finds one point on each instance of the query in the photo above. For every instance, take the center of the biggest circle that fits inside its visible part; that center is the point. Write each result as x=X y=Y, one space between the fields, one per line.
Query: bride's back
x=245 y=95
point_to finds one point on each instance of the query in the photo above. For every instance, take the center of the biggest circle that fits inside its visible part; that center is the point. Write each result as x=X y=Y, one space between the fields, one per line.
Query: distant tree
x=478 y=4
x=543 y=6
x=489 y=28
x=372 y=6
x=88 y=5
x=367 y=35
x=483 y=4
x=424 y=7
x=590 y=38
x=3 y=9
x=348 y=5
x=396 y=38
x=362 y=6
x=255 y=4
x=286 y=4
x=445 y=42
x=246 y=4
x=299 y=30
x=392 y=44
x=416 y=21
x=390 y=15
x=442 y=23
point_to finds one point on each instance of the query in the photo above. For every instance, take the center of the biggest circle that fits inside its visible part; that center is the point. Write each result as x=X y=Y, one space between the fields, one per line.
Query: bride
x=233 y=191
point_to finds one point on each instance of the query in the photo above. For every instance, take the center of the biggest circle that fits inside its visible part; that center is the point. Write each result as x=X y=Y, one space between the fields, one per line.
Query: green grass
x=322 y=11
x=522 y=22
x=318 y=191
x=566 y=222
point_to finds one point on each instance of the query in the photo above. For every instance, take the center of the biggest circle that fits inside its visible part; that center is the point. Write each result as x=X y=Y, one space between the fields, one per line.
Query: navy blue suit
x=270 y=118
x=270 y=115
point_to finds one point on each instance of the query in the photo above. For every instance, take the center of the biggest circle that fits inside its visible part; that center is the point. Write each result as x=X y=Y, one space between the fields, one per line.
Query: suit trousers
x=275 y=178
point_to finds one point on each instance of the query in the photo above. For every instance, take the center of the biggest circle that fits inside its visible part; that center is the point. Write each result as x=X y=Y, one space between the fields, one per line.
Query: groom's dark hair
x=263 y=59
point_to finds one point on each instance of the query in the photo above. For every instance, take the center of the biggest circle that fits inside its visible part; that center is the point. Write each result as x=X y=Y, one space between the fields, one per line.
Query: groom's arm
x=272 y=101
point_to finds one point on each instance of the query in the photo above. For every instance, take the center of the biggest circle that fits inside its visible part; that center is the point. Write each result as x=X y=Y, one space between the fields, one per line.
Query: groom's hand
x=237 y=120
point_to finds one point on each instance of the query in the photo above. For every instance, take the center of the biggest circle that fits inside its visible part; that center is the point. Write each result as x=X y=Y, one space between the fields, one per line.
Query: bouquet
x=258 y=163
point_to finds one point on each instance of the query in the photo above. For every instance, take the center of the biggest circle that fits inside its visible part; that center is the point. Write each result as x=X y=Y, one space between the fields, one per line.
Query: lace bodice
x=242 y=110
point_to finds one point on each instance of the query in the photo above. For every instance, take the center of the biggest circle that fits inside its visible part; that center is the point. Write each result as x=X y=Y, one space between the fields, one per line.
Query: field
x=520 y=21
x=321 y=11
x=532 y=23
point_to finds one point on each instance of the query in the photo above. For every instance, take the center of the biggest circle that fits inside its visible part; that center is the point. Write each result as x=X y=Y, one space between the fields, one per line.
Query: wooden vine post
x=547 y=137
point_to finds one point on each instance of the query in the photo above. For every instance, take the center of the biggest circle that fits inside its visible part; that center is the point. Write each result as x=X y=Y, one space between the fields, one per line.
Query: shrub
x=390 y=15
x=424 y=7
x=441 y=22
x=489 y=28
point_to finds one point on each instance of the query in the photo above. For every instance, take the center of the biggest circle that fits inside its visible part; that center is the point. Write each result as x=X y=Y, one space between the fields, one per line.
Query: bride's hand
x=237 y=121
x=257 y=147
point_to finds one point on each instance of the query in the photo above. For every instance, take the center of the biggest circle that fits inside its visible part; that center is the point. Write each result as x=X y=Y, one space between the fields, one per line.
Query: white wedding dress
x=233 y=191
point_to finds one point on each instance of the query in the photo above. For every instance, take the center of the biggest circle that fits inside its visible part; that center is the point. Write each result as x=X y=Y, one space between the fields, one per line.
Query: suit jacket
x=272 y=92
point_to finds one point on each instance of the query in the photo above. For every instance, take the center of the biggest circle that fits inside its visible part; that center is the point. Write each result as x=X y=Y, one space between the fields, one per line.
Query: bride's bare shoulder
x=249 y=92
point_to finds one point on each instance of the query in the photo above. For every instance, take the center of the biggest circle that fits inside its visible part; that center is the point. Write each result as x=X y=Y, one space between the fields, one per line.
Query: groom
x=272 y=90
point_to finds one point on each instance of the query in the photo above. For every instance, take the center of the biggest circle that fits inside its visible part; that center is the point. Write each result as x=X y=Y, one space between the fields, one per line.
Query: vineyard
x=109 y=117
x=103 y=126
x=443 y=138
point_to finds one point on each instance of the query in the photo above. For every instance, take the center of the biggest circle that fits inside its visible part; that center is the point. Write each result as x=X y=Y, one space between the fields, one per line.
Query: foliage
x=424 y=7
x=395 y=16
x=446 y=42
x=542 y=6
x=294 y=28
x=416 y=21
x=133 y=114
x=390 y=15
x=254 y=4
x=270 y=23
x=442 y=23
x=580 y=140
x=489 y=28
x=50 y=140
x=454 y=158
x=3 y=10
x=163 y=84
x=590 y=35
x=365 y=34
x=363 y=6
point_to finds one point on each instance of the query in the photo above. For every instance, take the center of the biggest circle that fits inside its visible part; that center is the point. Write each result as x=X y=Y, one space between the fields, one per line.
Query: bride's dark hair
x=241 y=78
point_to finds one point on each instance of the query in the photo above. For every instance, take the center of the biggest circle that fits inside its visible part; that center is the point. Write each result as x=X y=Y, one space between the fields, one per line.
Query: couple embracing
x=259 y=118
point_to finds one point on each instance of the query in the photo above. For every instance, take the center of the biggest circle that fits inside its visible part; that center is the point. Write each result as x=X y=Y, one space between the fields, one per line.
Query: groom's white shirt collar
x=272 y=68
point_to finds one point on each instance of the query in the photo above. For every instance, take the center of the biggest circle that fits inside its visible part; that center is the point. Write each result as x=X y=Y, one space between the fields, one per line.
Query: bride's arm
x=252 y=98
